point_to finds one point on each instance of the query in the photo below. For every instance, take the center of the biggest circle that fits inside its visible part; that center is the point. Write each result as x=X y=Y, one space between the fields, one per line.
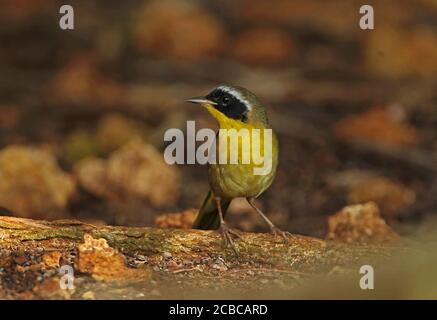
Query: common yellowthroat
x=235 y=108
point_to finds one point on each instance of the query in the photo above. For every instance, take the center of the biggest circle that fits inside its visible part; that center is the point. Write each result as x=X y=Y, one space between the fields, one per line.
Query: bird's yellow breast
x=249 y=141
x=232 y=180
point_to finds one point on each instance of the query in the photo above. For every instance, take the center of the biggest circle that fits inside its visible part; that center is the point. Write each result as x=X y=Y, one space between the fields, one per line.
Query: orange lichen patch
x=177 y=220
x=377 y=124
x=104 y=263
x=136 y=170
x=390 y=196
x=263 y=46
x=178 y=30
x=51 y=259
x=360 y=224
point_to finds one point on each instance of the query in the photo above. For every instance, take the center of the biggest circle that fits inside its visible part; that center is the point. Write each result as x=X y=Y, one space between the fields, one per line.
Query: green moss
x=80 y=145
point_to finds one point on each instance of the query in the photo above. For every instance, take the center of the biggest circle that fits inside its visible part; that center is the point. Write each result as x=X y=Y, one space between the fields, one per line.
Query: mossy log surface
x=176 y=261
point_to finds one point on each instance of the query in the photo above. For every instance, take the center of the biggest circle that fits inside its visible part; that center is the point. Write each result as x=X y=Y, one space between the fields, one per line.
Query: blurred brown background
x=83 y=112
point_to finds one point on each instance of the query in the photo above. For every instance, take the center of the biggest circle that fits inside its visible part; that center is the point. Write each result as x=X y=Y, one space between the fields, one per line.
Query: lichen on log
x=194 y=257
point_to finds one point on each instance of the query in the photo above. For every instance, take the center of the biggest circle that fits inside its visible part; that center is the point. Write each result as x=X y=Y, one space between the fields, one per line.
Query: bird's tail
x=5 y=212
x=208 y=217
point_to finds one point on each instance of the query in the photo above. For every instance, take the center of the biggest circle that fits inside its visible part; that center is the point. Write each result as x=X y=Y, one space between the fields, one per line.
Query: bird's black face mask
x=228 y=104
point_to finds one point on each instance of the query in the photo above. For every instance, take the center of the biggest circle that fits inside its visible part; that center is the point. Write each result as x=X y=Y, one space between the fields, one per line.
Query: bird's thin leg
x=224 y=229
x=273 y=229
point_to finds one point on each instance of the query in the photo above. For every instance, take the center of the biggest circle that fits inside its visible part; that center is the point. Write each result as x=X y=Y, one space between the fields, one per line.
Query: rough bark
x=195 y=259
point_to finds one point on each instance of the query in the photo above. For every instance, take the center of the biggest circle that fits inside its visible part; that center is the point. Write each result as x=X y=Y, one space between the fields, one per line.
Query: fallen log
x=168 y=260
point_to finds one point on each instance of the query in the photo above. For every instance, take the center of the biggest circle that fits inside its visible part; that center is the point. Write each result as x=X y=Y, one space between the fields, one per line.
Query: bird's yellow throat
x=252 y=149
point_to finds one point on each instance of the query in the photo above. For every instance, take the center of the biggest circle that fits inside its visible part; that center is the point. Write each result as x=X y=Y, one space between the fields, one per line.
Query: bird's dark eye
x=225 y=100
x=216 y=94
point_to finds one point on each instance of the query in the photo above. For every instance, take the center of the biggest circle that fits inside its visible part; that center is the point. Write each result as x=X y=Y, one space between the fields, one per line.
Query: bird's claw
x=279 y=233
x=228 y=235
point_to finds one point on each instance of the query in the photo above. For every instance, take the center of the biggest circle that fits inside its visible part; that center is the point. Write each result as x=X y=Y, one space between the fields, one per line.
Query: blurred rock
x=177 y=220
x=111 y=42
x=23 y=9
x=332 y=17
x=244 y=217
x=92 y=176
x=114 y=130
x=360 y=223
x=363 y=186
x=135 y=170
x=32 y=184
x=264 y=46
x=336 y=18
x=81 y=82
x=399 y=53
x=349 y=178
x=80 y=145
x=10 y=116
x=432 y=4
x=380 y=125
x=178 y=30
x=141 y=170
x=390 y=196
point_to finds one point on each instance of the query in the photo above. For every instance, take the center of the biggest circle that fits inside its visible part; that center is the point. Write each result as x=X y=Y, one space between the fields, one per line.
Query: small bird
x=235 y=108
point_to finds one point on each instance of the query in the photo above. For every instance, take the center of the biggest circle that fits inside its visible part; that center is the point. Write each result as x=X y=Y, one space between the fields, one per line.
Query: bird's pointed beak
x=201 y=100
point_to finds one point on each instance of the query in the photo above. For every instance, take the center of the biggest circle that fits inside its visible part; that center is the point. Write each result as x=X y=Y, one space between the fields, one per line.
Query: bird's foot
x=228 y=235
x=279 y=233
